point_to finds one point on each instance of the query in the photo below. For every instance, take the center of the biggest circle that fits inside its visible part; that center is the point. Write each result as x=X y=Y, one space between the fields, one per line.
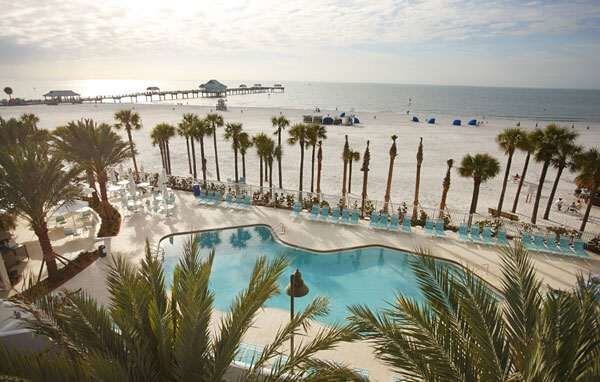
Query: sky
x=553 y=44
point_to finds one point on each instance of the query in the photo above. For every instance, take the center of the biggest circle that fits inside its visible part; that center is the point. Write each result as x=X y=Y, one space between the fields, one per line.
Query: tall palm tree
x=164 y=132
x=365 y=170
x=215 y=121
x=260 y=142
x=315 y=133
x=245 y=144
x=528 y=145
x=200 y=129
x=480 y=167
x=446 y=186
x=345 y=155
x=280 y=123
x=233 y=131
x=564 y=156
x=151 y=333
x=158 y=140
x=184 y=129
x=508 y=140
x=129 y=120
x=319 y=166
x=353 y=156
x=418 y=179
x=588 y=165
x=8 y=90
x=30 y=121
x=465 y=331
x=34 y=185
x=388 y=187
x=547 y=141
x=270 y=154
x=299 y=134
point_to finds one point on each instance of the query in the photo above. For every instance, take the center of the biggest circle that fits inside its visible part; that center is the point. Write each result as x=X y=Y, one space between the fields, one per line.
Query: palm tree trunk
x=301 y=171
x=266 y=170
x=235 y=159
x=474 y=200
x=538 y=194
x=131 y=147
x=260 y=174
x=586 y=215
x=516 y=202
x=216 y=153
x=194 y=159
x=102 y=180
x=41 y=231
x=244 y=166
x=162 y=155
x=418 y=180
x=203 y=159
x=279 y=159
x=345 y=178
x=445 y=189
x=271 y=176
x=553 y=192
x=169 y=157
x=312 y=169
x=187 y=144
x=365 y=170
x=388 y=187
x=319 y=167
x=350 y=176
x=506 y=173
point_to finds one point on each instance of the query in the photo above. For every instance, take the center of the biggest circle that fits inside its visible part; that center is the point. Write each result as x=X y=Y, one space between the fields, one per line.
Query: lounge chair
x=218 y=197
x=579 y=248
x=248 y=201
x=335 y=215
x=564 y=245
x=201 y=196
x=354 y=217
x=394 y=223
x=228 y=199
x=463 y=232
x=552 y=244
x=475 y=234
x=314 y=213
x=324 y=213
x=429 y=227
x=486 y=235
x=539 y=244
x=406 y=226
x=247 y=354
x=374 y=219
x=296 y=208
x=501 y=238
x=527 y=241
x=345 y=216
x=384 y=221
x=439 y=228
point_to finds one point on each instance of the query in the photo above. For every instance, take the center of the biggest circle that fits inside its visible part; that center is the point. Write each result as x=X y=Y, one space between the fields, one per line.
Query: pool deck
x=556 y=271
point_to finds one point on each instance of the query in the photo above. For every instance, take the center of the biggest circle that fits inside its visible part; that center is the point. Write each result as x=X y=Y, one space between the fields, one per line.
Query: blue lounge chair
x=314 y=212
x=539 y=244
x=325 y=213
x=429 y=227
x=527 y=241
x=486 y=235
x=228 y=199
x=564 y=245
x=296 y=208
x=394 y=223
x=552 y=244
x=579 y=248
x=383 y=221
x=463 y=232
x=354 y=217
x=439 y=228
x=218 y=197
x=475 y=234
x=345 y=216
x=406 y=227
x=335 y=215
x=374 y=219
x=248 y=200
x=201 y=196
x=501 y=238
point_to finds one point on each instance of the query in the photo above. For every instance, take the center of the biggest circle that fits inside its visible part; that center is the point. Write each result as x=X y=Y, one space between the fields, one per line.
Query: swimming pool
x=370 y=275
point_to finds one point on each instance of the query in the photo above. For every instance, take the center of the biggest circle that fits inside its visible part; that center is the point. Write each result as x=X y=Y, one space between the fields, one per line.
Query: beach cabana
x=473 y=122
x=431 y=121
x=355 y=119
x=62 y=96
x=415 y=119
x=328 y=120
x=456 y=122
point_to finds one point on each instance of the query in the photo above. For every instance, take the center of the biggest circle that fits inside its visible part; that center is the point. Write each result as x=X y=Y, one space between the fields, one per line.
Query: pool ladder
x=280 y=229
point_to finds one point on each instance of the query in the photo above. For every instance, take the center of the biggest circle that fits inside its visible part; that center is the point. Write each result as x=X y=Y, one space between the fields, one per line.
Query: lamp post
x=296 y=288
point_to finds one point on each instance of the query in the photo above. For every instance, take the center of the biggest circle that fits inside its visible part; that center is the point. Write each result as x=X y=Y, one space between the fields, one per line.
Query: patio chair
x=354 y=217
x=429 y=227
x=335 y=215
x=406 y=225
x=345 y=216
x=374 y=219
x=394 y=223
x=501 y=238
x=463 y=232
x=314 y=213
x=486 y=235
x=384 y=221
x=324 y=213
x=439 y=228
x=579 y=248
x=475 y=233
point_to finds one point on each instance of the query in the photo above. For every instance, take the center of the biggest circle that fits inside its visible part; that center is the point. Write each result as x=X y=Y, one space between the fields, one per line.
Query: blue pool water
x=369 y=275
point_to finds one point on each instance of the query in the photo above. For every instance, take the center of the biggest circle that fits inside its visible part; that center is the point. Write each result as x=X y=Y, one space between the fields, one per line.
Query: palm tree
x=30 y=121
x=365 y=170
x=8 y=90
x=151 y=333
x=184 y=129
x=588 y=165
x=129 y=120
x=260 y=142
x=299 y=134
x=34 y=185
x=418 y=179
x=161 y=134
x=314 y=133
x=564 y=155
x=215 y=121
x=270 y=153
x=527 y=144
x=446 y=186
x=353 y=156
x=319 y=166
x=388 y=187
x=200 y=129
x=245 y=144
x=233 y=131
x=345 y=155
x=508 y=140
x=480 y=167
x=465 y=331
x=547 y=140
x=280 y=123
x=158 y=140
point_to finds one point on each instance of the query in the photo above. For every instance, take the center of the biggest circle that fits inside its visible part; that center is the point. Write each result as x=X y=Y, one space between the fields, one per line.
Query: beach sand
x=441 y=142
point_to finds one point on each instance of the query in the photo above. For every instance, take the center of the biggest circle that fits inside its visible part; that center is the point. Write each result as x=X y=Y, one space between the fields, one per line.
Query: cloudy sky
x=551 y=43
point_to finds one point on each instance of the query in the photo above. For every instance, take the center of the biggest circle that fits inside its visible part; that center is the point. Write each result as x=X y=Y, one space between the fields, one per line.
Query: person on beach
x=516 y=177
x=559 y=204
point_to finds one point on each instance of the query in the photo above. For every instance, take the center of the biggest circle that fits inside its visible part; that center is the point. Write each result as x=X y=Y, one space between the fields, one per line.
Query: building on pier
x=215 y=88
x=62 y=96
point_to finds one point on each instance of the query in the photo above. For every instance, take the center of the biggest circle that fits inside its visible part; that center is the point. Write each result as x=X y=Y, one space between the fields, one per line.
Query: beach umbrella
x=473 y=122
x=415 y=119
x=456 y=122
x=431 y=121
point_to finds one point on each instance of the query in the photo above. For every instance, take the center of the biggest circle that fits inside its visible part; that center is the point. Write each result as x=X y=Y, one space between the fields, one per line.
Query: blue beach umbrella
x=431 y=121
x=456 y=122
x=473 y=122
x=415 y=119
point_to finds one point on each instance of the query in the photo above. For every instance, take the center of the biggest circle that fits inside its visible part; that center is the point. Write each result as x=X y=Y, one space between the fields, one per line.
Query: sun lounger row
x=389 y=222
x=334 y=215
x=434 y=227
x=216 y=197
x=481 y=236
x=541 y=243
